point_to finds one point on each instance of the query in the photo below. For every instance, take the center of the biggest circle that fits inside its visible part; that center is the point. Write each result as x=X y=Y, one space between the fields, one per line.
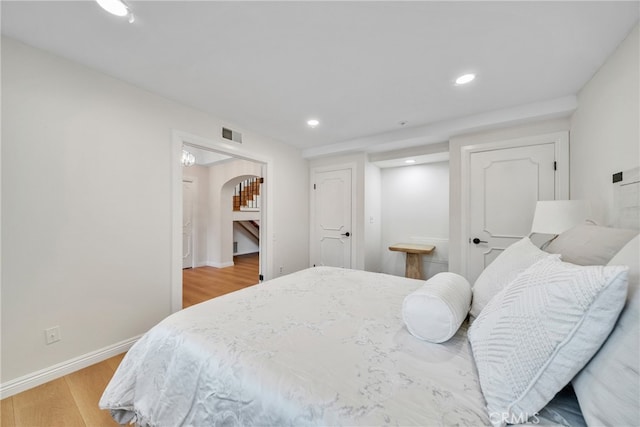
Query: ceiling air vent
x=232 y=135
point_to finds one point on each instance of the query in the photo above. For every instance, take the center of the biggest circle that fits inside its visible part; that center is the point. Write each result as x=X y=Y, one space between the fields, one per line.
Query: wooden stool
x=413 y=268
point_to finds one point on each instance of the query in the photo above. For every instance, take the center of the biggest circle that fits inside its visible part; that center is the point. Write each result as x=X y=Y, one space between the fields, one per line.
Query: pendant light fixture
x=188 y=159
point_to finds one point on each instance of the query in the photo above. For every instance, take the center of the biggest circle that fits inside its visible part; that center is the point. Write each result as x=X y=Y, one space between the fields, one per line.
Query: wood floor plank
x=114 y=362
x=50 y=405
x=6 y=417
x=86 y=387
x=203 y=283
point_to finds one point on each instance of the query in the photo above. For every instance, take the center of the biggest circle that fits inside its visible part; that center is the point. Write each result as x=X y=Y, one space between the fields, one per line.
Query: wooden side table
x=413 y=268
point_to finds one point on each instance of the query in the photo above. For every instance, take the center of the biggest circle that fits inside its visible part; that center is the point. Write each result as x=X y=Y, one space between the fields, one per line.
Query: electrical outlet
x=281 y=270
x=52 y=335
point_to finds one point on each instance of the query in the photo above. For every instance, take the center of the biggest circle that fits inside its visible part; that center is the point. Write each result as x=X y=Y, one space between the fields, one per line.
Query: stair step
x=246 y=195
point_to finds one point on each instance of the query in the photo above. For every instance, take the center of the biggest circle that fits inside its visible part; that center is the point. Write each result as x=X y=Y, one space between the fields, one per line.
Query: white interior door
x=504 y=186
x=187 y=224
x=331 y=218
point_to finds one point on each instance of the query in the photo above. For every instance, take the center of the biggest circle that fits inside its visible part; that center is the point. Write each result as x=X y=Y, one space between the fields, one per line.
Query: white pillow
x=511 y=262
x=608 y=388
x=539 y=331
x=435 y=311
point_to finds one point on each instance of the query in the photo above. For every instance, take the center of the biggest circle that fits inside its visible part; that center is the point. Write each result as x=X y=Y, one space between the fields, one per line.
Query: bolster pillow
x=435 y=311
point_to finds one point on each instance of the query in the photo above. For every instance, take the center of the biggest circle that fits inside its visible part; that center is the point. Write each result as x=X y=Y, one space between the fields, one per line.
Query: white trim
x=51 y=373
x=561 y=145
x=353 y=167
x=220 y=264
x=266 y=223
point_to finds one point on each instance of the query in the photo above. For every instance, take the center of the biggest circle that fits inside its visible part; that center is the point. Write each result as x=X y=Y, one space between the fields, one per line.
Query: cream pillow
x=608 y=388
x=511 y=262
x=539 y=331
x=435 y=311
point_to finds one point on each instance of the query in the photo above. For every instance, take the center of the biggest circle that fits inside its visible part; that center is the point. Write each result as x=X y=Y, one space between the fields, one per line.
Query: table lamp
x=556 y=216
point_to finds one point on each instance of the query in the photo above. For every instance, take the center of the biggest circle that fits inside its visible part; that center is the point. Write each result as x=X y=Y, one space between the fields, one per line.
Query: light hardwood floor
x=203 y=283
x=73 y=399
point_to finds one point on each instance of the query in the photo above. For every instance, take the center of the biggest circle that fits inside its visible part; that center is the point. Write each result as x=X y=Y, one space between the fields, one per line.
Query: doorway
x=179 y=140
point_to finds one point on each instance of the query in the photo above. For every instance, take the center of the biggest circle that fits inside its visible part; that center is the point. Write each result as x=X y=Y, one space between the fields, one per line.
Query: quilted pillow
x=511 y=262
x=538 y=332
x=609 y=386
x=435 y=311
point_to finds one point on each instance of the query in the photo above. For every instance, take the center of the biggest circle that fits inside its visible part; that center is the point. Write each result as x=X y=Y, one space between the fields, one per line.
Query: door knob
x=476 y=241
x=346 y=234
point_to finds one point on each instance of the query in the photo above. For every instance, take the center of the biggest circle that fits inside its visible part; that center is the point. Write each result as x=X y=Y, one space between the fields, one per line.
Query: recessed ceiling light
x=464 y=79
x=409 y=161
x=116 y=7
x=313 y=123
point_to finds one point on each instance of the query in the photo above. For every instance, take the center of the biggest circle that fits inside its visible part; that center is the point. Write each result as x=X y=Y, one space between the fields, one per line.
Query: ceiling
x=360 y=68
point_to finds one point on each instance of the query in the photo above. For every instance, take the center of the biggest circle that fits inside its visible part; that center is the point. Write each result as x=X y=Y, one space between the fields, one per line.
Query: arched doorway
x=241 y=215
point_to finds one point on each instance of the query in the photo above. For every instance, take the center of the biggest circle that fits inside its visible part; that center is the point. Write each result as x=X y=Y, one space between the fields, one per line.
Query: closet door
x=331 y=217
x=504 y=185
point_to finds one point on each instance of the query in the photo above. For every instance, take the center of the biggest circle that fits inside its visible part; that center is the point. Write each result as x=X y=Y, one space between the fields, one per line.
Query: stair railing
x=246 y=195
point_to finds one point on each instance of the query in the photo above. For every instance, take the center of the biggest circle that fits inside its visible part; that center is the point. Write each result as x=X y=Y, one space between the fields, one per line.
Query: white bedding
x=323 y=346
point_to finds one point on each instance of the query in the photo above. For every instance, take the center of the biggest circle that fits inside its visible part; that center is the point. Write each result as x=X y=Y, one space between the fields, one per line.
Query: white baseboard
x=51 y=373
x=246 y=253
x=220 y=264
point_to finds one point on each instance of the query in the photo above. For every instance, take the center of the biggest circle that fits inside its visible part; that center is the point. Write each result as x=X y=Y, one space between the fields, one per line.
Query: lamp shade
x=556 y=216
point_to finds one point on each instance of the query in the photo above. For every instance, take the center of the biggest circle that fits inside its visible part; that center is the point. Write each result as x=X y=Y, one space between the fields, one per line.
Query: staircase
x=246 y=195
x=253 y=227
x=249 y=229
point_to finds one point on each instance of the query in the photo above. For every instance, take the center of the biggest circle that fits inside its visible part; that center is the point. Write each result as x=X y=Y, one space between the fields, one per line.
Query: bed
x=329 y=346
x=324 y=346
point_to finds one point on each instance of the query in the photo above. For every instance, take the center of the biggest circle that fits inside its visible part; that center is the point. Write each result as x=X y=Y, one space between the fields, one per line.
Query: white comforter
x=323 y=346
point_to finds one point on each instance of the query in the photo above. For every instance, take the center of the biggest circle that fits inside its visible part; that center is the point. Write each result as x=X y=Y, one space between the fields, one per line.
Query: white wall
x=372 y=218
x=86 y=208
x=605 y=129
x=415 y=209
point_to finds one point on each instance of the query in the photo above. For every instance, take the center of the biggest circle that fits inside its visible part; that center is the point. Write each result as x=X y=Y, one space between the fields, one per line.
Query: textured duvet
x=324 y=346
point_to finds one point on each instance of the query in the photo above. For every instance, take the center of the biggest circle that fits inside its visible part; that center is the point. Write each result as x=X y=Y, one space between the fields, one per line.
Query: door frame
x=561 y=145
x=312 y=205
x=178 y=139
x=194 y=182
